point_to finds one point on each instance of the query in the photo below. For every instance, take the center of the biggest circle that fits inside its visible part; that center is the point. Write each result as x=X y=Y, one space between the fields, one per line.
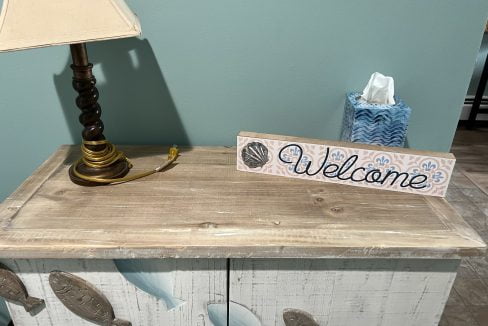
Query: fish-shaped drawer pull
x=296 y=317
x=12 y=289
x=83 y=299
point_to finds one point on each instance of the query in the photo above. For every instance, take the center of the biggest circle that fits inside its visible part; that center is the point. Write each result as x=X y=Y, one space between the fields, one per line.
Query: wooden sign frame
x=379 y=167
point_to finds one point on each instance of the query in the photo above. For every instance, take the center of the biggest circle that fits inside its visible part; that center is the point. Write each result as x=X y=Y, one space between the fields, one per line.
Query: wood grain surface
x=203 y=207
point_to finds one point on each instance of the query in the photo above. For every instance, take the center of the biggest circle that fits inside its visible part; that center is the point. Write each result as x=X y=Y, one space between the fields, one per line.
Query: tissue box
x=378 y=124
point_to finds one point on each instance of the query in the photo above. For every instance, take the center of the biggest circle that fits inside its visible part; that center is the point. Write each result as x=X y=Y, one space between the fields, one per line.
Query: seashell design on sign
x=12 y=289
x=255 y=155
x=297 y=317
x=83 y=299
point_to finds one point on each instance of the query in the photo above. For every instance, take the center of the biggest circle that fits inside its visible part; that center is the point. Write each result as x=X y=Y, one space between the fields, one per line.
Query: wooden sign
x=388 y=168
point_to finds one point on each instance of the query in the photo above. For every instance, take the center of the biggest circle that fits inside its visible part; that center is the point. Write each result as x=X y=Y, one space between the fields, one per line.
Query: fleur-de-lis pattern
x=436 y=176
x=337 y=155
x=437 y=169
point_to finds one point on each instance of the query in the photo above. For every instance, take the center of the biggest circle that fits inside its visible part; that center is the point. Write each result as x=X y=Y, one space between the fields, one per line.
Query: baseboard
x=467 y=108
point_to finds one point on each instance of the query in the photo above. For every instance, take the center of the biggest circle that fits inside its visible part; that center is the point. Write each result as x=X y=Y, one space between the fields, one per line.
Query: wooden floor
x=468 y=302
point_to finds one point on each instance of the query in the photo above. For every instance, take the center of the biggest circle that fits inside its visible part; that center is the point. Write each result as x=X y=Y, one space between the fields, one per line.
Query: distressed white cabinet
x=204 y=244
x=344 y=292
x=184 y=286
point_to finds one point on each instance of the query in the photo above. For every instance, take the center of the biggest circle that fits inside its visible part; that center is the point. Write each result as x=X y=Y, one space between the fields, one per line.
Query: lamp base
x=117 y=170
x=96 y=146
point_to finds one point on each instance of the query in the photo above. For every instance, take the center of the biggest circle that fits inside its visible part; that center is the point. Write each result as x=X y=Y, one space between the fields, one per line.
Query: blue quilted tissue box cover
x=378 y=124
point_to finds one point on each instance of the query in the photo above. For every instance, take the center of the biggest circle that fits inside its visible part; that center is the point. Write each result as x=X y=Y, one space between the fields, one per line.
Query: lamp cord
x=108 y=156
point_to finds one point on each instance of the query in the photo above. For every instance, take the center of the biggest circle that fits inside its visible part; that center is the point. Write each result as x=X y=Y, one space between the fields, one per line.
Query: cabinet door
x=170 y=292
x=341 y=291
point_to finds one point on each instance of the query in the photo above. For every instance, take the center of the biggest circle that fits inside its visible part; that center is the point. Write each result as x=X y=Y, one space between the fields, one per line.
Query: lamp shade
x=28 y=24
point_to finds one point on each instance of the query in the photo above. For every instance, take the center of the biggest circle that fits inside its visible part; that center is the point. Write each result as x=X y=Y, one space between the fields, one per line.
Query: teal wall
x=205 y=69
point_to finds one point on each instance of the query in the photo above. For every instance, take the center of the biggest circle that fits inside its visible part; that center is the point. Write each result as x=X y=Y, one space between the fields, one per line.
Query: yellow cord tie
x=108 y=156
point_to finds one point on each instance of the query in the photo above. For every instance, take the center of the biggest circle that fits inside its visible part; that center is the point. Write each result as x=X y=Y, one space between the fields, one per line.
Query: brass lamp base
x=117 y=170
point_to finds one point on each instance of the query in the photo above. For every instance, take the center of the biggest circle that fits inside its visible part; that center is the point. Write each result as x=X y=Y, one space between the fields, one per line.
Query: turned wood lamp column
x=87 y=101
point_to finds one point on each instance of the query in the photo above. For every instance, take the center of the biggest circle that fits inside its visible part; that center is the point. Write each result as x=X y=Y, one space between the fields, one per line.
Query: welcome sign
x=388 y=168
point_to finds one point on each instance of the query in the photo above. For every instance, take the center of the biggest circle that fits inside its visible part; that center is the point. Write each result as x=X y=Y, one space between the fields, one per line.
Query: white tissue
x=380 y=89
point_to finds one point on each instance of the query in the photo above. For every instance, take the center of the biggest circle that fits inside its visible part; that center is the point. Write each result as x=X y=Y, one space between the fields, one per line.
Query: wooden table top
x=204 y=207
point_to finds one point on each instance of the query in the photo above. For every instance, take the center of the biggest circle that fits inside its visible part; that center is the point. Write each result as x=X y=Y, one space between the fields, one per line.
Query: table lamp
x=26 y=24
